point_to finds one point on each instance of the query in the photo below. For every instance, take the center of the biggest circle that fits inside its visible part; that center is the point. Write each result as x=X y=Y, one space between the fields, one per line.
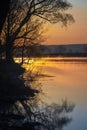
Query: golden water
x=67 y=79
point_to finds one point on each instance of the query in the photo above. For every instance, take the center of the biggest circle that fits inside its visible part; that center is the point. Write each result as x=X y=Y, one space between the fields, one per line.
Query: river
x=66 y=78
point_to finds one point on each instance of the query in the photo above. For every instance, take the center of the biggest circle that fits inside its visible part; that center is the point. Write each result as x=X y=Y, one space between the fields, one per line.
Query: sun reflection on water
x=69 y=80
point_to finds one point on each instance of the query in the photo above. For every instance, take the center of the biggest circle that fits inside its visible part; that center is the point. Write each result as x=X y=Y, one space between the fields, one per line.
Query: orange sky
x=74 y=33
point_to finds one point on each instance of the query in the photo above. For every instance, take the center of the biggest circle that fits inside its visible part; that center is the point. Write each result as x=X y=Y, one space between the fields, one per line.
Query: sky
x=75 y=33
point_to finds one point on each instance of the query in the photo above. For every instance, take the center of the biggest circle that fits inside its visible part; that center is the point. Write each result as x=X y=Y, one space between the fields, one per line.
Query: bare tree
x=30 y=37
x=22 y=12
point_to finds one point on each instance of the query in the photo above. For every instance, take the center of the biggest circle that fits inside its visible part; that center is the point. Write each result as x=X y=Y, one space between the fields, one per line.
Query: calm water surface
x=67 y=79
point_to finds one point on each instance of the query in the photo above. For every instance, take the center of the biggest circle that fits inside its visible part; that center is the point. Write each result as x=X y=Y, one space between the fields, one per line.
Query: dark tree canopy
x=4 y=7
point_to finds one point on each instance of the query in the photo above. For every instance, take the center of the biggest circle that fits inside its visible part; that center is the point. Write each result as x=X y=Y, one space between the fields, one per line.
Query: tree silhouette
x=18 y=15
x=4 y=8
x=23 y=11
x=30 y=35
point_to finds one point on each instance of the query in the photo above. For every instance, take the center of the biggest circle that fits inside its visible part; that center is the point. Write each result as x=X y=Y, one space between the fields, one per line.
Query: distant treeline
x=67 y=55
x=79 y=50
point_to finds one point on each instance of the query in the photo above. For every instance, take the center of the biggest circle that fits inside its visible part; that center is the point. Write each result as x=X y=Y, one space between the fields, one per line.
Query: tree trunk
x=9 y=43
x=9 y=53
x=23 y=54
x=4 y=8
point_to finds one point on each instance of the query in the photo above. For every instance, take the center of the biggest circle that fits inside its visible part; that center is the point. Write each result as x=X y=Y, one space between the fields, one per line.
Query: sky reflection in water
x=69 y=82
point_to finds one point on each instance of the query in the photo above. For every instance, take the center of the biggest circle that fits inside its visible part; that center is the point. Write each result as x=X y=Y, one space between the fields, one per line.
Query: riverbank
x=11 y=82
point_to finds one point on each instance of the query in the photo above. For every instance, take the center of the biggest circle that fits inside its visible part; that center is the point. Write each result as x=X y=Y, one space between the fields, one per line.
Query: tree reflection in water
x=33 y=114
x=48 y=117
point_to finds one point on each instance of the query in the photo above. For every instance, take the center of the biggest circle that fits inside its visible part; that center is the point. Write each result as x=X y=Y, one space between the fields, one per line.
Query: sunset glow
x=43 y=65
x=74 y=33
